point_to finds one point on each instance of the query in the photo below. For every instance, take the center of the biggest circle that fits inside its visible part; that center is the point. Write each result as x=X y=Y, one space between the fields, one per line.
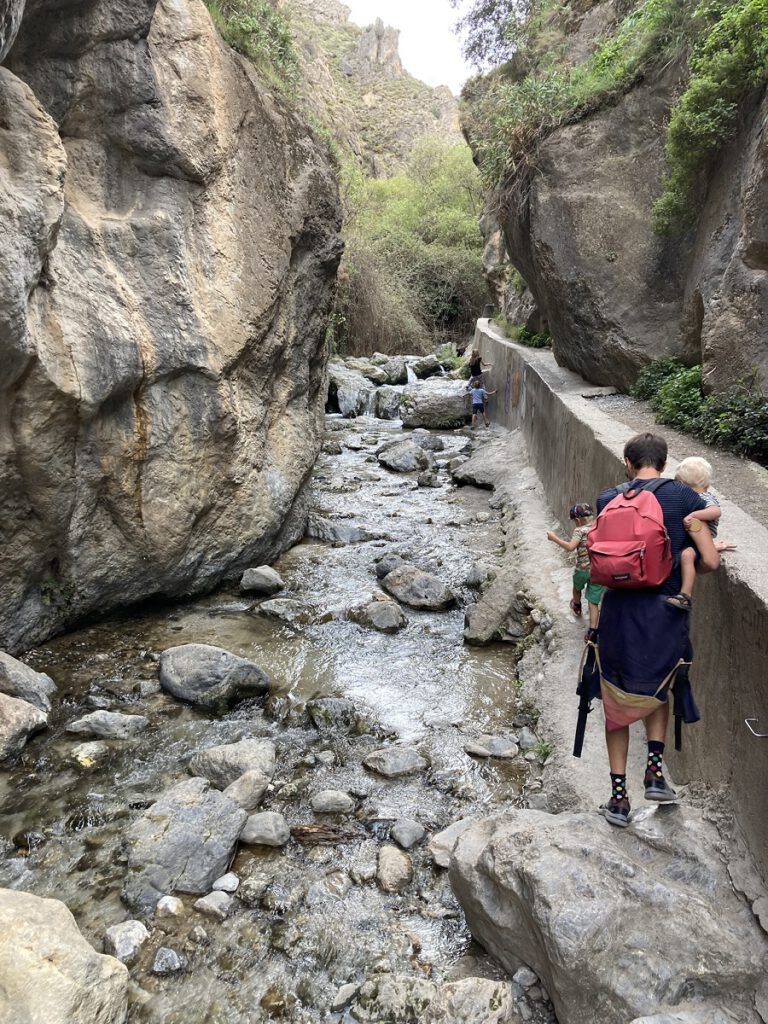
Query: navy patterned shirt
x=677 y=501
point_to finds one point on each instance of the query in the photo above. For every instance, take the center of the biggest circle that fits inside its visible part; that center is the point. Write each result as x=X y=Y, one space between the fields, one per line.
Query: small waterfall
x=412 y=378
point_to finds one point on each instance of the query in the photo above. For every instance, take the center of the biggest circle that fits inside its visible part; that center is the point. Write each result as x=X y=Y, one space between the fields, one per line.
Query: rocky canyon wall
x=169 y=248
x=578 y=227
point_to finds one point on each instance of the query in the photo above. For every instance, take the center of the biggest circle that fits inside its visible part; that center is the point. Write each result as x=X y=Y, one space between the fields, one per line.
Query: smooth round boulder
x=210 y=677
x=268 y=828
x=262 y=580
x=405 y=457
x=418 y=589
x=394 y=761
x=332 y=801
x=381 y=613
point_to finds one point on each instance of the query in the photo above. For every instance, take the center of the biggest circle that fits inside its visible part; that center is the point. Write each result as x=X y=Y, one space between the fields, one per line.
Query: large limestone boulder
x=406 y=457
x=182 y=843
x=18 y=721
x=19 y=680
x=617 y=924
x=418 y=589
x=473 y=1001
x=49 y=974
x=436 y=403
x=210 y=677
x=349 y=392
x=166 y=418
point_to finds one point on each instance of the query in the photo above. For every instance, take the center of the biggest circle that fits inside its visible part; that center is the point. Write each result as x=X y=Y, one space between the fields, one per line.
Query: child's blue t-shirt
x=478 y=395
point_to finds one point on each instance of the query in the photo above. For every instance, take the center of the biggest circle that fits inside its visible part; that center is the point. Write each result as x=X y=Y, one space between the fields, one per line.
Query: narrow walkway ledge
x=576 y=450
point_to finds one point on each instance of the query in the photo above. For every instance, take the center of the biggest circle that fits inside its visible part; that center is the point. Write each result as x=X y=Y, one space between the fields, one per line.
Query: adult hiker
x=641 y=640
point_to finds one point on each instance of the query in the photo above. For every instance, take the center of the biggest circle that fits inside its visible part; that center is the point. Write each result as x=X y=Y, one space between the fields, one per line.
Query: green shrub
x=730 y=61
x=261 y=32
x=654 y=374
x=526 y=337
x=678 y=399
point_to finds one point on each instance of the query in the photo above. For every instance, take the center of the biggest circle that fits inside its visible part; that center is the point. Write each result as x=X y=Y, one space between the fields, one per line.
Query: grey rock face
x=387 y=403
x=182 y=843
x=381 y=613
x=549 y=888
x=263 y=580
x=418 y=589
x=437 y=404
x=395 y=869
x=473 y=1001
x=442 y=844
x=269 y=828
x=11 y=12
x=393 y=762
x=125 y=940
x=210 y=677
x=19 y=680
x=144 y=409
x=109 y=725
x=226 y=764
x=18 y=721
x=405 y=457
x=49 y=974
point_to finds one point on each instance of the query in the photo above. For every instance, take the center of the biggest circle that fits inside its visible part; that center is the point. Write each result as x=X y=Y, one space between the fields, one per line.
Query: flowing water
x=322 y=921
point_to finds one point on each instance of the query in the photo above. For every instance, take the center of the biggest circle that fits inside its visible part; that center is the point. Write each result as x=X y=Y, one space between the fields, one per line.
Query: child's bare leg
x=474 y=420
x=687 y=571
x=576 y=596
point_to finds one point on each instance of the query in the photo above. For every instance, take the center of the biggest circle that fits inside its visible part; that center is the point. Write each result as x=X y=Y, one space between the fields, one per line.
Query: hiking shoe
x=658 y=789
x=680 y=601
x=616 y=812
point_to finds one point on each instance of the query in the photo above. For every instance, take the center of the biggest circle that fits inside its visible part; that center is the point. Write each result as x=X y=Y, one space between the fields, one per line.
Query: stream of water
x=321 y=920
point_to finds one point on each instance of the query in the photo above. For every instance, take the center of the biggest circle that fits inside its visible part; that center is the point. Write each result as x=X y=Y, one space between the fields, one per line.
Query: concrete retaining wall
x=576 y=450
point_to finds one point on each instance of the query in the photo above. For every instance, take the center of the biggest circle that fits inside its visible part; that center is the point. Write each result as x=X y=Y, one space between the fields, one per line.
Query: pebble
x=169 y=906
x=199 y=936
x=407 y=833
x=215 y=904
x=168 y=961
x=125 y=940
x=344 y=997
x=527 y=739
x=332 y=801
x=395 y=869
x=248 y=790
x=88 y=756
x=537 y=615
x=227 y=883
x=326 y=757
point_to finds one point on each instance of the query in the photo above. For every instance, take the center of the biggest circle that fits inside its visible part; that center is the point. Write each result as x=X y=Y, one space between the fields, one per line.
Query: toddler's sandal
x=575 y=608
x=680 y=601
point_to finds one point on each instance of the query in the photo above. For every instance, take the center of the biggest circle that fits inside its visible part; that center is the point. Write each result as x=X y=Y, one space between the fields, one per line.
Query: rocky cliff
x=355 y=83
x=168 y=261
x=577 y=225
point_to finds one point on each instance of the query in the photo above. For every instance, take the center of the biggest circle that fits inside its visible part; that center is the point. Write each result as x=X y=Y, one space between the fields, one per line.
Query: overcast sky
x=429 y=48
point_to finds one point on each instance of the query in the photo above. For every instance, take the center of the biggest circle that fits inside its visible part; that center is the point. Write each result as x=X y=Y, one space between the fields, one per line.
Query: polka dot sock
x=655 y=754
x=618 y=786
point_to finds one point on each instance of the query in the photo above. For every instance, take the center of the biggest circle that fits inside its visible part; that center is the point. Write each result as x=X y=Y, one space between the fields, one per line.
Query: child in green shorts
x=583 y=518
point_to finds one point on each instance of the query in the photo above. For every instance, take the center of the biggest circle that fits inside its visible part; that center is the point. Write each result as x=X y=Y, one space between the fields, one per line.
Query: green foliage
x=653 y=375
x=261 y=32
x=520 y=103
x=543 y=750
x=526 y=337
x=412 y=267
x=730 y=61
x=736 y=419
x=489 y=28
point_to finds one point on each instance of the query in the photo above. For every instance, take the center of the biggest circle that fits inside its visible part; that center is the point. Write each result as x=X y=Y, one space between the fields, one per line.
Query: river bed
x=320 y=921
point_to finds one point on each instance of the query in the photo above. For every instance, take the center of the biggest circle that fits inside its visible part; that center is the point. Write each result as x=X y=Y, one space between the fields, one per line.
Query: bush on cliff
x=412 y=271
x=729 y=62
x=736 y=419
x=261 y=32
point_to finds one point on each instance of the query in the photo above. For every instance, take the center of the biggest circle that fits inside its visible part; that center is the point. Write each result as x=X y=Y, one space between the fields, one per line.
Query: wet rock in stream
x=405 y=457
x=261 y=580
x=182 y=843
x=18 y=721
x=418 y=589
x=225 y=764
x=381 y=613
x=108 y=725
x=210 y=677
x=19 y=680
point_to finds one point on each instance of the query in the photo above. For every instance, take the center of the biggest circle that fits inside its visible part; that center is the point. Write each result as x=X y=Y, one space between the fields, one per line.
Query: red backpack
x=629 y=545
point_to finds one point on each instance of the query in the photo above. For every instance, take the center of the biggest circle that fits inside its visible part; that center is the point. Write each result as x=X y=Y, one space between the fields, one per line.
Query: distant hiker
x=697 y=473
x=642 y=643
x=583 y=518
x=476 y=367
x=479 y=395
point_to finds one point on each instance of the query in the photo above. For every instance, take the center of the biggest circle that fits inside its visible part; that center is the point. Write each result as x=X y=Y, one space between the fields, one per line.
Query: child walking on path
x=697 y=474
x=479 y=395
x=583 y=518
